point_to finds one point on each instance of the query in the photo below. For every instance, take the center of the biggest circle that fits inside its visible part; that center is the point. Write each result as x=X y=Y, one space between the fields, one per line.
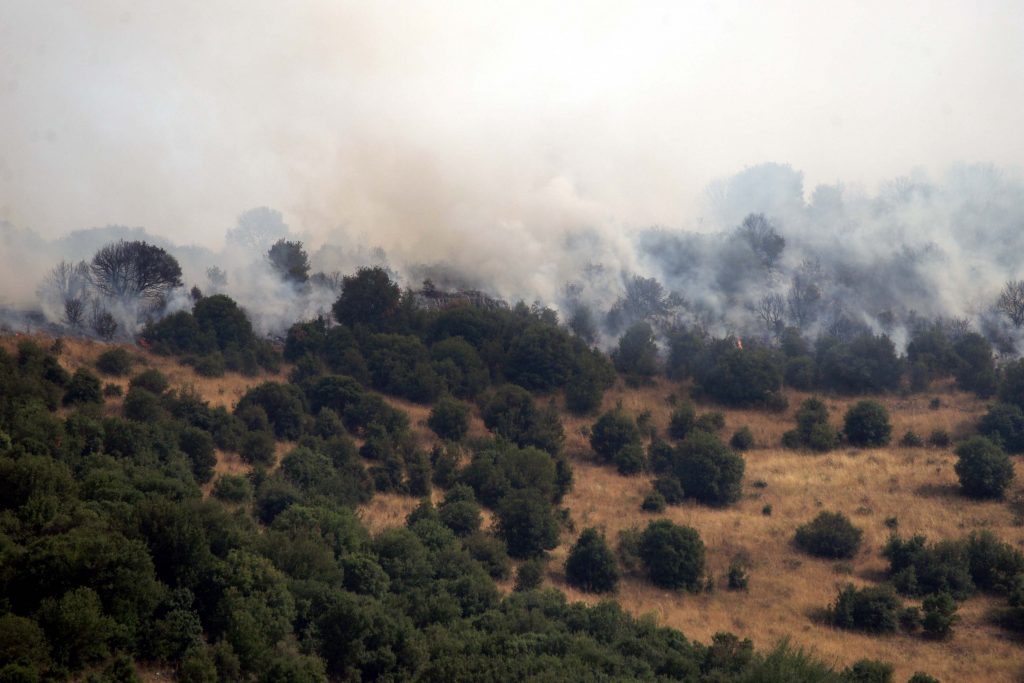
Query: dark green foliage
x=831 y=535
x=112 y=391
x=871 y=609
x=798 y=373
x=868 y=364
x=220 y=319
x=142 y=405
x=83 y=388
x=612 y=432
x=116 y=362
x=305 y=338
x=737 y=578
x=994 y=565
x=512 y=414
x=742 y=439
x=540 y=358
x=369 y=297
x=975 y=369
x=591 y=566
x=911 y=439
x=918 y=569
x=459 y=511
x=712 y=422
x=198 y=446
x=939 y=438
x=76 y=627
x=670 y=489
x=400 y=365
x=232 y=489
x=813 y=430
x=530 y=575
x=1004 y=425
x=449 y=419
x=868 y=671
x=984 y=469
x=866 y=425
x=742 y=377
x=653 y=502
x=210 y=365
x=939 y=616
x=630 y=459
x=283 y=405
x=637 y=354
x=673 y=555
x=920 y=677
x=459 y=366
x=528 y=524
x=1011 y=384
x=491 y=553
x=151 y=380
x=258 y=448
x=708 y=470
x=682 y=421
x=289 y=260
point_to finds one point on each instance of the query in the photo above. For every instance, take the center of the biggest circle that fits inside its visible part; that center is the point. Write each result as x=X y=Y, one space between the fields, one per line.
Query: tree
x=527 y=523
x=219 y=317
x=637 y=353
x=771 y=309
x=984 y=469
x=591 y=565
x=804 y=293
x=84 y=388
x=830 y=535
x=368 y=297
x=66 y=288
x=540 y=358
x=871 y=609
x=673 y=555
x=289 y=260
x=1011 y=302
x=257 y=229
x=867 y=425
x=1004 y=424
x=939 y=616
x=126 y=270
x=765 y=242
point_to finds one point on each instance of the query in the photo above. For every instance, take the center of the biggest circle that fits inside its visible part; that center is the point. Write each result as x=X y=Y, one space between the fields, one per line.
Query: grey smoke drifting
x=517 y=147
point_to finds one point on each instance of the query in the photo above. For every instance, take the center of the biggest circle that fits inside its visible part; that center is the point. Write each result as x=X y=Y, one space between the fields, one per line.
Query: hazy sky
x=395 y=120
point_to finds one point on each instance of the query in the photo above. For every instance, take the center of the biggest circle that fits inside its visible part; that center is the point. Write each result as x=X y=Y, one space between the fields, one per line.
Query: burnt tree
x=135 y=270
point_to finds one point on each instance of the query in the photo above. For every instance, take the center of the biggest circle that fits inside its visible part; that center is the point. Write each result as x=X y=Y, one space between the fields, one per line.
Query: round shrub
x=831 y=535
x=612 y=432
x=151 y=380
x=211 y=365
x=258 y=448
x=83 y=388
x=712 y=422
x=591 y=565
x=653 y=502
x=867 y=424
x=116 y=362
x=939 y=438
x=742 y=439
x=682 y=421
x=708 y=470
x=983 y=467
x=529 y=575
x=673 y=555
x=232 y=489
x=112 y=391
x=911 y=439
x=630 y=459
x=449 y=419
x=670 y=489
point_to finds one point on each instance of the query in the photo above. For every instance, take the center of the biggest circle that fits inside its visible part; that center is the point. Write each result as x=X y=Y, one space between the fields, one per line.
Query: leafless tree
x=804 y=293
x=768 y=244
x=135 y=270
x=102 y=321
x=771 y=309
x=67 y=287
x=1011 y=302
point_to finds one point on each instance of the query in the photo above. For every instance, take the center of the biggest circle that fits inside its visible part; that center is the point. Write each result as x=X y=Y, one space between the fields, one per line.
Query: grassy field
x=914 y=486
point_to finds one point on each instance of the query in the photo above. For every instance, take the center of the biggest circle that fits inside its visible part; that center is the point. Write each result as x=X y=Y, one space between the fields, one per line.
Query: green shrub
x=449 y=419
x=670 y=489
x=918 y=569
x=210 y=365
x=737 y=578
x=490 y=552
x=831 y=535
x=83 y=388
x=682 y=421
x=527 y=523
x=530 y=575
x=920 y=677
x=258 y=449
x=871 y=609
x=232 y=489
x=151 y=380
x=653 y=502
x=712 y=422
x=630 y=459
x=116 y=362
x=112 y=391
x=742 y=439
x=939 y=438
x=612 y=432
x=984 y=469
x=867 y=425
x=911 y=439
x=591 y=566
x=708 y=470
x=1004 y=424
x=939 y=616
x=673 y=555
x=868 y=671
x=142 y=405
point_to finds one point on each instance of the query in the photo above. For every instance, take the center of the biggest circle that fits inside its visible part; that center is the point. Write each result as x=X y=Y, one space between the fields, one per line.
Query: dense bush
x=939 y=616
x=682 y=421
x=116 y=362
x=868 y=364
x=742 y=377
x=918 y=569
x=512 y=414
x=84 y=387
x=151 y=380
x=984 y=469
x=1004 y=425
x=449 y=419
x=871 y=609
x=742 y=439
x=283 y=404
x=528 y=524
x=813 y=430
x=637 y=354
x=591 y=565
x=673 y=555
x=866 y=424
x=708 y=470
x=831 y=535
x=612 y=432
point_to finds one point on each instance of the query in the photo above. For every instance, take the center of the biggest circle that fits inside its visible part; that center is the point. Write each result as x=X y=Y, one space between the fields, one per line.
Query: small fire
x=739 y=343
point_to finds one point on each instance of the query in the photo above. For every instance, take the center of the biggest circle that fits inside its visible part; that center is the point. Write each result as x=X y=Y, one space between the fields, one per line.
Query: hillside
x=916 y=487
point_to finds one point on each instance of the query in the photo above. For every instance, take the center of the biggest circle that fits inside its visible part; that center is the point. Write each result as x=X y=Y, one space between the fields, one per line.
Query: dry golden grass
x=787 y=588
